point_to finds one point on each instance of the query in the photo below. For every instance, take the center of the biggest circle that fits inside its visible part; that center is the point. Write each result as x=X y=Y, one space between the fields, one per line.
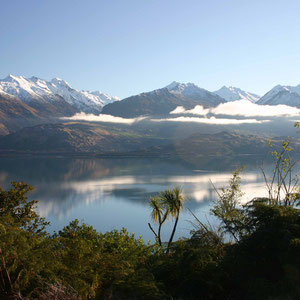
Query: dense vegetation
x=254 y=254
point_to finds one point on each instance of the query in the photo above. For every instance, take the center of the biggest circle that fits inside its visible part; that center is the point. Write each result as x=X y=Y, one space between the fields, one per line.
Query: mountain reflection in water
x=113 y=193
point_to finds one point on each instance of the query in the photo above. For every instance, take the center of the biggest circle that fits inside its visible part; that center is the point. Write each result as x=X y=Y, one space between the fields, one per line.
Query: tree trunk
x=158 y=234
x=173 y=232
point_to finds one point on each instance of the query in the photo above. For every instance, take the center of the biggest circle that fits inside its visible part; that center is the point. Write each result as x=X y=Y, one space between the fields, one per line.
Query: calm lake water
x=113 y=193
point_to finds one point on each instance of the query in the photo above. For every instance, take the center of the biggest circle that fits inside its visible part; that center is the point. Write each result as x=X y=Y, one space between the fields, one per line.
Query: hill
x=75 y=137
x=123 y=140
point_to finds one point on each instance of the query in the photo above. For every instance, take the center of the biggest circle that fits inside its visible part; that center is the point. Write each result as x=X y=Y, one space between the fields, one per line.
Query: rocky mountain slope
x=15 y=114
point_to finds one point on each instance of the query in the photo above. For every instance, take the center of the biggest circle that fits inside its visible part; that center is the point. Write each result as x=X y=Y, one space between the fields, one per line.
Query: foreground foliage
x=255 y=254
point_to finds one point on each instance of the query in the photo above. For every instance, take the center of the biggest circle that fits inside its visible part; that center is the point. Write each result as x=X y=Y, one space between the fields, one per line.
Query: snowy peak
x=17 y=86
x=36 y=89
x=104 y=97
x=172 y=85
x=282 y=94
x=60 y=82
x=186 y=89
x=280 y=88
x=12 y=78
x=193 y=92
x=275 y=90
x=232 y=94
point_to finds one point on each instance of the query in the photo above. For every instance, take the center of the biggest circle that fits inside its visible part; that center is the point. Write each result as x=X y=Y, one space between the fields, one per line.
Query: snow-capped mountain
x=38 y=90
x=193 y=91
x=185 y=89
x=282 y=94
x=232 y=94
x=161 y=102
x=105 y=98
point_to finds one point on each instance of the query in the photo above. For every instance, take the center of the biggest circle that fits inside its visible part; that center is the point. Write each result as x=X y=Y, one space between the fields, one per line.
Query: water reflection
x=111 y=193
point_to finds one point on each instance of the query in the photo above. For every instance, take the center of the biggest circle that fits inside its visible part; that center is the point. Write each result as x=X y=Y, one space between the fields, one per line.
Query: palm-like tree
x=174 y=200
x=168 y=203
x=159 y=215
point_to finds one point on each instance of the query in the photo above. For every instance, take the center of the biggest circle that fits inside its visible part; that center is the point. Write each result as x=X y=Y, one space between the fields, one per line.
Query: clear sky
x=125 y=47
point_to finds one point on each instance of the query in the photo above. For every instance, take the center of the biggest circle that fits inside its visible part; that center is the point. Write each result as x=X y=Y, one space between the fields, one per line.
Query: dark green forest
x=253 y=254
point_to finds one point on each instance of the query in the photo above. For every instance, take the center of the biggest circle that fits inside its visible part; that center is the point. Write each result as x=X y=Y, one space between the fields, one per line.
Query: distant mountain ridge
x=233 y=94
x=30 y=101
x=38 y=92
x=31 y=108
x=58 y=98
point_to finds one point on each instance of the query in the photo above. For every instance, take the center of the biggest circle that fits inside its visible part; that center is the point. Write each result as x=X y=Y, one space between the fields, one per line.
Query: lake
x=112 y=193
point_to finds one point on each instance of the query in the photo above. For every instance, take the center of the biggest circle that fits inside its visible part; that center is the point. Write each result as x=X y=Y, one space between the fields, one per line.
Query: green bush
x=80 y=263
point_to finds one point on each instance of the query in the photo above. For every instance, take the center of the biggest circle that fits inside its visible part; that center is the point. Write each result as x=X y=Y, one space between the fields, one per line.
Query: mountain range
x=37 y=92
x=31 y=111
x=35 y=99
x=30 y=101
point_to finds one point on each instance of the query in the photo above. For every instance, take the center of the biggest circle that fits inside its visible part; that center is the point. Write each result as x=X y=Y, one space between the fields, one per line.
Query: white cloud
x=178 y=110
x=248 y=109
x=243 y=108
x=211 y=120
x=197 y=110
x=103 y=118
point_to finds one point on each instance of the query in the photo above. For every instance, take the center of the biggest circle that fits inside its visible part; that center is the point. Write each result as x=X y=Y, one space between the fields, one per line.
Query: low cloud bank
x=103 y=118
x=211 y=120
x=242 y=108
x=197 y=110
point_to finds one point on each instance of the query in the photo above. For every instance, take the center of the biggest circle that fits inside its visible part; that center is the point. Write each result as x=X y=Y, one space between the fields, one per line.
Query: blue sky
x=125 y=47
